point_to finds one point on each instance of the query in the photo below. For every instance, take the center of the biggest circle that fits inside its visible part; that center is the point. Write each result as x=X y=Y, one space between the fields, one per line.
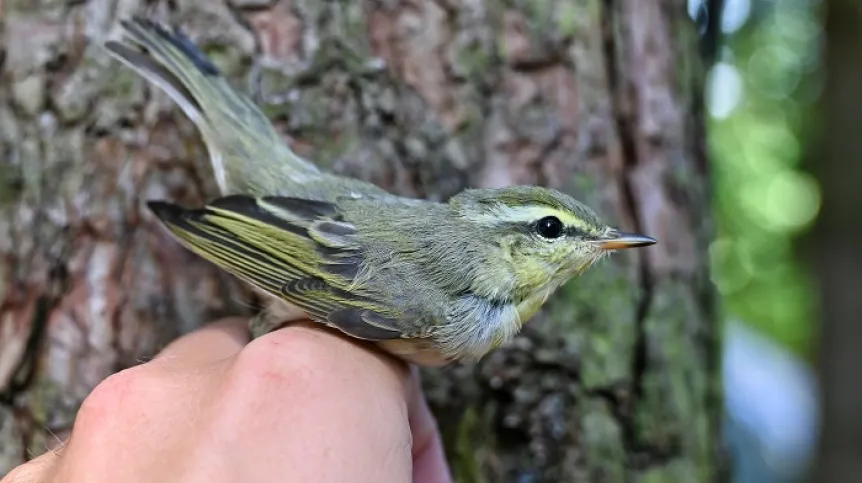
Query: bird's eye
x=550 y=227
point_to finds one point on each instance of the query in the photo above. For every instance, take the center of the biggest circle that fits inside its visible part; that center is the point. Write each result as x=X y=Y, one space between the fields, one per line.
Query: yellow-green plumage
x=430 y=282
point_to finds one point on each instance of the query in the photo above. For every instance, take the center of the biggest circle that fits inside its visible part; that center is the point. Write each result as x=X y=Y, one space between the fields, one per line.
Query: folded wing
x=300 y=250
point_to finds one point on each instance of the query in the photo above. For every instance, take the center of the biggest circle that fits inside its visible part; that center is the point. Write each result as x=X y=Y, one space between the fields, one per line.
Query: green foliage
x=763 y=200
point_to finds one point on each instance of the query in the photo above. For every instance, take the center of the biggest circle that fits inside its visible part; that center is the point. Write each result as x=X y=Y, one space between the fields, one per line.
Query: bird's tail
x=247 y=153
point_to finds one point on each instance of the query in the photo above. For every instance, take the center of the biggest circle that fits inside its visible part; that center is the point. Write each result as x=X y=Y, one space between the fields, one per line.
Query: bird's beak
x=626 y=240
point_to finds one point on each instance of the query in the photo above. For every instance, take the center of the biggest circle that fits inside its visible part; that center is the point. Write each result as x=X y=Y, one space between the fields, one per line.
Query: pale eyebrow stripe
x=531 y=214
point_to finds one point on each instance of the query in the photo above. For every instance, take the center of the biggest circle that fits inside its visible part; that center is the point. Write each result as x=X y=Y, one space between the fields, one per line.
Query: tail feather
x=146 y=29
x=170 y=61
x=247 y=153
x=161 y=77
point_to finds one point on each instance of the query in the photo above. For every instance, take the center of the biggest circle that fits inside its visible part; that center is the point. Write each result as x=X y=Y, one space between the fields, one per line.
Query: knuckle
x=283 y=359
x=110 y=399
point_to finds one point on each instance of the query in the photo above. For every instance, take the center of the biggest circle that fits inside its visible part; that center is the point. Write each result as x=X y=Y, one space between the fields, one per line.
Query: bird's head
x=545 y=237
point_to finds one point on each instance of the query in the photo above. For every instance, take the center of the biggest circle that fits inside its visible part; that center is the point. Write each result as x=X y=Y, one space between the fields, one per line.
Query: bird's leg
x=261 y=324
x=275 y=315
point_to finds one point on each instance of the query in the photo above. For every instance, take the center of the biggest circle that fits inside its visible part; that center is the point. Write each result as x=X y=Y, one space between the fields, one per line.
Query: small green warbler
x=428 y=282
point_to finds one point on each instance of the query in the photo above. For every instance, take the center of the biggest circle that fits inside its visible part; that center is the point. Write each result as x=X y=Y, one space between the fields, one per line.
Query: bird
x=429 y=282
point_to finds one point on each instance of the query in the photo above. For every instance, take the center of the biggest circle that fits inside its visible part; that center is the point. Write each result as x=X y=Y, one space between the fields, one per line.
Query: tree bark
x=616 y=380
x=833 y=246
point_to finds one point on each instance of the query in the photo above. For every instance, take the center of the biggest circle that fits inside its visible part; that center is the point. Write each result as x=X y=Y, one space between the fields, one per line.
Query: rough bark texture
x=616 y=380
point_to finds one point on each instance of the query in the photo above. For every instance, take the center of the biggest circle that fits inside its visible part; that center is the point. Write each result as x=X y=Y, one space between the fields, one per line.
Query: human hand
x=298 y=404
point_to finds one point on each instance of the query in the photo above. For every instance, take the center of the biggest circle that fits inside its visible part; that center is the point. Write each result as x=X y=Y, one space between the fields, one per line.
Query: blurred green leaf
x=763 y=201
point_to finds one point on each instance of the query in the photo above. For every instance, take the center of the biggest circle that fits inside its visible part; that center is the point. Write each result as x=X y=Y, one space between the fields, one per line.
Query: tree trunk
x=833 y=246
x=616 y=380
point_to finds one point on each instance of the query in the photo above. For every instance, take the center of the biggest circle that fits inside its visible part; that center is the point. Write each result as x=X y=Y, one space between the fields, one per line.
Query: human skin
x=299 y=404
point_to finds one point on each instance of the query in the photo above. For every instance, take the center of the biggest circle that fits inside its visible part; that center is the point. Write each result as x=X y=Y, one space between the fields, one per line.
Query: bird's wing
x=296 y=249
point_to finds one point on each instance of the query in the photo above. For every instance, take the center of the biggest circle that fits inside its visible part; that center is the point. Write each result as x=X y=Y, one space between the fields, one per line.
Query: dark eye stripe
x=530 y=228
x=574 y=232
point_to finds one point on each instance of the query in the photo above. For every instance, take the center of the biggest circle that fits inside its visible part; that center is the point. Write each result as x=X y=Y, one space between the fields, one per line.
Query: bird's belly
x=484 y=328
x=417 y=351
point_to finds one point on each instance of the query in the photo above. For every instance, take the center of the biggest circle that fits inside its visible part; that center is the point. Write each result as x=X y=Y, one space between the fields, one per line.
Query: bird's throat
x=530 y=305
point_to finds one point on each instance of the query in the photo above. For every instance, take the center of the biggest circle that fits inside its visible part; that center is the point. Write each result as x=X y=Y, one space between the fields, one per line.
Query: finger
x=429 y=459
x=150 y=402
x=309 y=405
x=213 y=342
x=37 y=470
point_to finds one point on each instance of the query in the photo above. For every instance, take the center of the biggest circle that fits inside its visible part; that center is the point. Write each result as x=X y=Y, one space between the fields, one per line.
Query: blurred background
x=761 y=93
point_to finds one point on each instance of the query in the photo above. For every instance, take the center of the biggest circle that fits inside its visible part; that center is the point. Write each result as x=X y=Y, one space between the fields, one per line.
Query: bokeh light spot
x=792 y=200
x=723 y=90
x=774 y=71
x=735 y=14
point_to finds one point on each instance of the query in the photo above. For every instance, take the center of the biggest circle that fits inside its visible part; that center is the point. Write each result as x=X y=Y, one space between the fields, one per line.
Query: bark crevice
x=625 y=118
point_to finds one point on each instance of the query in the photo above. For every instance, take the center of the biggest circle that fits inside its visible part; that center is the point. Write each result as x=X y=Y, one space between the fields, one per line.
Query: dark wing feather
x=299 y=250
x=303 y=209
x=357 y=322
